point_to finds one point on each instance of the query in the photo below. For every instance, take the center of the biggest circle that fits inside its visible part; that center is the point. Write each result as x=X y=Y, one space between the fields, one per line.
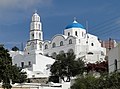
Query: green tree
x=85 y=82
x=66 y=65
x=15 y=48
x=105 y=81
x=7 y=71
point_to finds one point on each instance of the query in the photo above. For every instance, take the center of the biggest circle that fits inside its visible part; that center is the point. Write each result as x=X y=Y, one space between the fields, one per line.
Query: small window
x=68 y=33
x=22 y=64
x=29 y=63
x=92 y=44
x=53 y=45
x=115 y=64
x=46 y=46
x=70 y=41
x=32 y=36
x=40 y=45
x=61 y=43
x=40 y=35
x=82 y=34
x=76 y=33
x=39 y=26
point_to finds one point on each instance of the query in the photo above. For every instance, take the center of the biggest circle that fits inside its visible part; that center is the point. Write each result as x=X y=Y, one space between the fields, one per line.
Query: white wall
x=112 y=55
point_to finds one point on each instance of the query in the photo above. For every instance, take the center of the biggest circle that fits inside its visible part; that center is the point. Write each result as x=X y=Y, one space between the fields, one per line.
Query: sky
x=102 y=16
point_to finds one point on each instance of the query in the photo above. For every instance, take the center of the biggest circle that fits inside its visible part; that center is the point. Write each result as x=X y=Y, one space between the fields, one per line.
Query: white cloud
x=14 y=10
x=23 y=3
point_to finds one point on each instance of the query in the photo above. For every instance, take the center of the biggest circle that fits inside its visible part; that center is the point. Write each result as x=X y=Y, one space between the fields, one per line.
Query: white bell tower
x=36 y=35
x=36 y=28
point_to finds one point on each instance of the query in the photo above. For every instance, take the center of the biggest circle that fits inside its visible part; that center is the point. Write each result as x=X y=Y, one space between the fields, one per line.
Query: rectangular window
x=29 y=63
x=22 y=64
x=68 y=33
x=76 y=33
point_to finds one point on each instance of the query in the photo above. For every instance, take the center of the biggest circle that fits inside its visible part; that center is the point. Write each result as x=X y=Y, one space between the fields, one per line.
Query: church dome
x=75 y=24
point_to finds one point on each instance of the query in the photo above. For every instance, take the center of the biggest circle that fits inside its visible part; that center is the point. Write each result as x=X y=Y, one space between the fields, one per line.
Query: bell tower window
x=32 y=36
x=40 y=36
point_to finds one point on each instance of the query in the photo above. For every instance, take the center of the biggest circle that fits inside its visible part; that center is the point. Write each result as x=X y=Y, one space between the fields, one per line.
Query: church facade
x=38 y=55
x=75 y=38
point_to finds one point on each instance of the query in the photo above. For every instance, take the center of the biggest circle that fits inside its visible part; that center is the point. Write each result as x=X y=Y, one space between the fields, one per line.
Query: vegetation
x=66 y=65
x=15 y=48
x=100 y=67
x=106 y=81
x=8 y=72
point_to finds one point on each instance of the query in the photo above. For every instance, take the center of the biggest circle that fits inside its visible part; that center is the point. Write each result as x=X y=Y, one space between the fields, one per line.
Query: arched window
x=92 y=44
x=40 y=36
x=32 y=35
x=46 y=46
x=61 y=43
x=70 y=41
x=76 y=33
x=53 y=45
x=115 y=64
x=68 y=33
x=40 y=45
x=38 y=26
x=29 y=63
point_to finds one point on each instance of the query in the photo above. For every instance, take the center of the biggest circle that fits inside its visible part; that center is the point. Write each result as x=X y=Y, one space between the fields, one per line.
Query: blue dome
x=75 y=24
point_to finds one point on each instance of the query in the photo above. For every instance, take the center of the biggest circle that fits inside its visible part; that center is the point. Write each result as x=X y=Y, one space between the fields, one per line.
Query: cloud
x=14 y=10
x=23 y=4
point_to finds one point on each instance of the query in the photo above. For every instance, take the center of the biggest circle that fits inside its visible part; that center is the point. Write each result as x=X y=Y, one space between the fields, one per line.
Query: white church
x=38 y=55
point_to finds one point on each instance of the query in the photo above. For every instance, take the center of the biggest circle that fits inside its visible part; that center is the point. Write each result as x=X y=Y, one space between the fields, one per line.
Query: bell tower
x=36 y=28
x=36 y=35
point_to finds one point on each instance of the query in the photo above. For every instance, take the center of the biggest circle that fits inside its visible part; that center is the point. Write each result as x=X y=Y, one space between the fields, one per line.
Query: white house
x=114 y=59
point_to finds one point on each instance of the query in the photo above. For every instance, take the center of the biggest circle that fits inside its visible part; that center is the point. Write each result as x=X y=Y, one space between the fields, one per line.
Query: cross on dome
x=35 y=11
x=75 y=20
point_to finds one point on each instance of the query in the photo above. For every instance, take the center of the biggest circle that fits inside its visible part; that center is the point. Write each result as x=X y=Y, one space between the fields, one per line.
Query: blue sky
x=103 y=18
